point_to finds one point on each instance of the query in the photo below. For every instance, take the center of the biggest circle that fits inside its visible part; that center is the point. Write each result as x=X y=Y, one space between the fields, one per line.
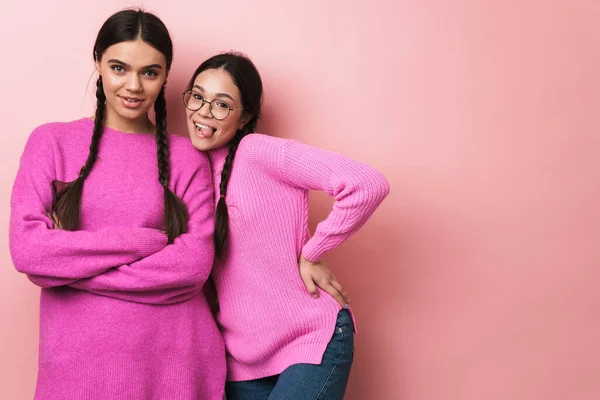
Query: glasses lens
x=192 y=100
x=219 y=109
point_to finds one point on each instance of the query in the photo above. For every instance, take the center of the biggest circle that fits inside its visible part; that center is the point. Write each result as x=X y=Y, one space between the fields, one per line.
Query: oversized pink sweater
x=120 y=312
x=268 y=319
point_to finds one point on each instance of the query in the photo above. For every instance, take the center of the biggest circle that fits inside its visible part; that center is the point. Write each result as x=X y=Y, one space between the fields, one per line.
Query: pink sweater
x=268 y=319
x=120 y=314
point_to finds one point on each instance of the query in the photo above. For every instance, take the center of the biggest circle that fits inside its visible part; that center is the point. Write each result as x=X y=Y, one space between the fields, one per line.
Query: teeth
x=200 y=126
x=131 y=100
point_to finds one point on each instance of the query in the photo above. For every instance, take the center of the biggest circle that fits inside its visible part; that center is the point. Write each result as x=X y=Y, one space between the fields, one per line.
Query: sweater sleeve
x=357 y=188
x=52 y=257
x=177 y=272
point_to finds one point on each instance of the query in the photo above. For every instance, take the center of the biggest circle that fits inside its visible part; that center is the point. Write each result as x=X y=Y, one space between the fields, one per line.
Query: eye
x=197 y=96
x=221 y=104
x=151 y=73
x=117 y=68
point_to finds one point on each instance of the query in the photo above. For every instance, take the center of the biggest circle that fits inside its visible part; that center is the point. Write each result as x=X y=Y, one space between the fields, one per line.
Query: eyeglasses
x=218 y=108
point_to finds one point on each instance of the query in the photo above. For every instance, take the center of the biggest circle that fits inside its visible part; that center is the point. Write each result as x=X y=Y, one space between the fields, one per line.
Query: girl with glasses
x=119 y=236
x=282 y=340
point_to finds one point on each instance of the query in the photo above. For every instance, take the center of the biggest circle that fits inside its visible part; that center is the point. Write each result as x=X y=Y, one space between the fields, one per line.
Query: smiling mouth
x=131 y=99
x=204 y=131
x=204 y=128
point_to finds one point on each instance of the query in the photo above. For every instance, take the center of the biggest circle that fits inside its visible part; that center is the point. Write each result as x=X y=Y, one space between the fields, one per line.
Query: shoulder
x=190 y=168
x=181 y=148
x=260 y=144
x=60 y=129
x=260 y=147
x=260 y=151
x=259 y=140
x=49 y=136
x=186 y=161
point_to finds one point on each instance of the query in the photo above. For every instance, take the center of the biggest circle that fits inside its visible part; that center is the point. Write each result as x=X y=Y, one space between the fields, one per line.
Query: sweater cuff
x=312 y=252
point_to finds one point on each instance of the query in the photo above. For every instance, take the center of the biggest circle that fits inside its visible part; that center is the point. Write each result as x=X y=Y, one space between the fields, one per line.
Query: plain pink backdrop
x=477 y=278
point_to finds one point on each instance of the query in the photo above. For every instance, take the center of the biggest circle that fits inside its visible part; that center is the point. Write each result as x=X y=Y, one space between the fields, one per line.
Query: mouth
x=131 y=102
x=203 y=131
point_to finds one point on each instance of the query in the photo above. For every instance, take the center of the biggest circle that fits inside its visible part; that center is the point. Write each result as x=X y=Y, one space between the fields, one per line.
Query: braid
x=226 y=173
x=222 y=215
x=176 y=216
x=245 y=77
x=67 y=196
x=162 y=144
x=97 y=132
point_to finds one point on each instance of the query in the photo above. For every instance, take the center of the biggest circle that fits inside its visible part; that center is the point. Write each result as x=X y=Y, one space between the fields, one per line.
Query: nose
x=134 y=84
x=204 y=110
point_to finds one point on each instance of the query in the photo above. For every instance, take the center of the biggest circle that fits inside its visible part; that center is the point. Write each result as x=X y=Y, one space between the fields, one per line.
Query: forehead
x=134 y=53
x=217 y=81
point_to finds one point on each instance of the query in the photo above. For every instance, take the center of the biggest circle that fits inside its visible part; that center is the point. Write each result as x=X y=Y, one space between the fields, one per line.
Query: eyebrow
x=216 y=94
x=115 y=61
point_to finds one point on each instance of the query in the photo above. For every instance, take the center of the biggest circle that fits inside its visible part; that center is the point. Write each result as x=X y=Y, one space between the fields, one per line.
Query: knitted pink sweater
x=268 y=319
x=120 y=314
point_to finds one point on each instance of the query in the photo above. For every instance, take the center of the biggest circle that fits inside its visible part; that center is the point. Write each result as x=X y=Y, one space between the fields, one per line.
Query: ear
x=244 y=120
x=97 y=66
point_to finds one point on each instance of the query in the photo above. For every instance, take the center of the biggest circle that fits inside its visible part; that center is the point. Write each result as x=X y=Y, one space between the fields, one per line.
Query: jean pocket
x=341 y=345
x=343 y=323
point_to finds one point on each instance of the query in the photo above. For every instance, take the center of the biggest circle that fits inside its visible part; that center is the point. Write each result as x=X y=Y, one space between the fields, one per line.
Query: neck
x=118 y=123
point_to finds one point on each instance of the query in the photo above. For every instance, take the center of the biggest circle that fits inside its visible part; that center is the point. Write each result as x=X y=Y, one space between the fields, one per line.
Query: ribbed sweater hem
x=308 y=353
x=100 y=377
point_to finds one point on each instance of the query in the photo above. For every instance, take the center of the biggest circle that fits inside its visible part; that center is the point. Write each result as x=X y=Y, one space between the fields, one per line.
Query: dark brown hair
x=126 y=25
x=247 y=79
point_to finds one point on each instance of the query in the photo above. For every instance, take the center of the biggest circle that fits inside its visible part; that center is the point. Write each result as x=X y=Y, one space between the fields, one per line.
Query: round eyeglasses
x=219 y=109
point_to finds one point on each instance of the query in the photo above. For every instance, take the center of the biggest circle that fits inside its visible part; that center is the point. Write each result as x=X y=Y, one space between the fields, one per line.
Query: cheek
x=228 y=132
x=188 y=115
x=231 y=126
x=152 y=89
x=110 y=85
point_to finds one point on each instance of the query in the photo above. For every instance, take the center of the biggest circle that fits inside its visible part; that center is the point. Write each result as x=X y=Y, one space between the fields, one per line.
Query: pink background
x=477 y=278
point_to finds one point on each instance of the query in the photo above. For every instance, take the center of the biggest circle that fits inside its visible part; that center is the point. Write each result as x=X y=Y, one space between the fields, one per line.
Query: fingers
x=338 y=286
x=55 y=221
x=335 y=294
x=326 y=285
x=310 y=285
x=318 y=275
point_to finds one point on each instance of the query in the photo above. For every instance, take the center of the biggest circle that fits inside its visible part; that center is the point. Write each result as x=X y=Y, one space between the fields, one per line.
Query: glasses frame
x=210 y=106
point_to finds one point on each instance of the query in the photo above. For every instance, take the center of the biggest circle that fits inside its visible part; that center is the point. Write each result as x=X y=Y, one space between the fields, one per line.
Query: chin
x=132 y=114
x=200 y=144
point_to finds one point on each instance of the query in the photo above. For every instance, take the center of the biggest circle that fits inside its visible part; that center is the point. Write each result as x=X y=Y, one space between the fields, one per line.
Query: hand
x=57 y=224
x=318 y=274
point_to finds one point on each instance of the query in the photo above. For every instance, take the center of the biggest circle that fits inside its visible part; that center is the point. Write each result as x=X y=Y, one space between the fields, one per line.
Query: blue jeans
x=327 y=380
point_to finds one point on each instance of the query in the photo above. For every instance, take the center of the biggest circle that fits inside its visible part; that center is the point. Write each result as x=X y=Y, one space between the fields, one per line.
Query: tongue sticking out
x=205 y=131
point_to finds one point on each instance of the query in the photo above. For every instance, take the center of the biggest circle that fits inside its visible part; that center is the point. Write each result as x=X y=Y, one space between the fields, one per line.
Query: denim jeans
x=326 y=381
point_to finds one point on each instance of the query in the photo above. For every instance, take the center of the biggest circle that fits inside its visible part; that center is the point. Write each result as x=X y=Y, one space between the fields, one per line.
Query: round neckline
x=90 y=122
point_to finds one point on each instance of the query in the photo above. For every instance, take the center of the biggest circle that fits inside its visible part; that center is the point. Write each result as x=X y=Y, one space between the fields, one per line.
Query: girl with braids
x=122 y=315
x=282 y=340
